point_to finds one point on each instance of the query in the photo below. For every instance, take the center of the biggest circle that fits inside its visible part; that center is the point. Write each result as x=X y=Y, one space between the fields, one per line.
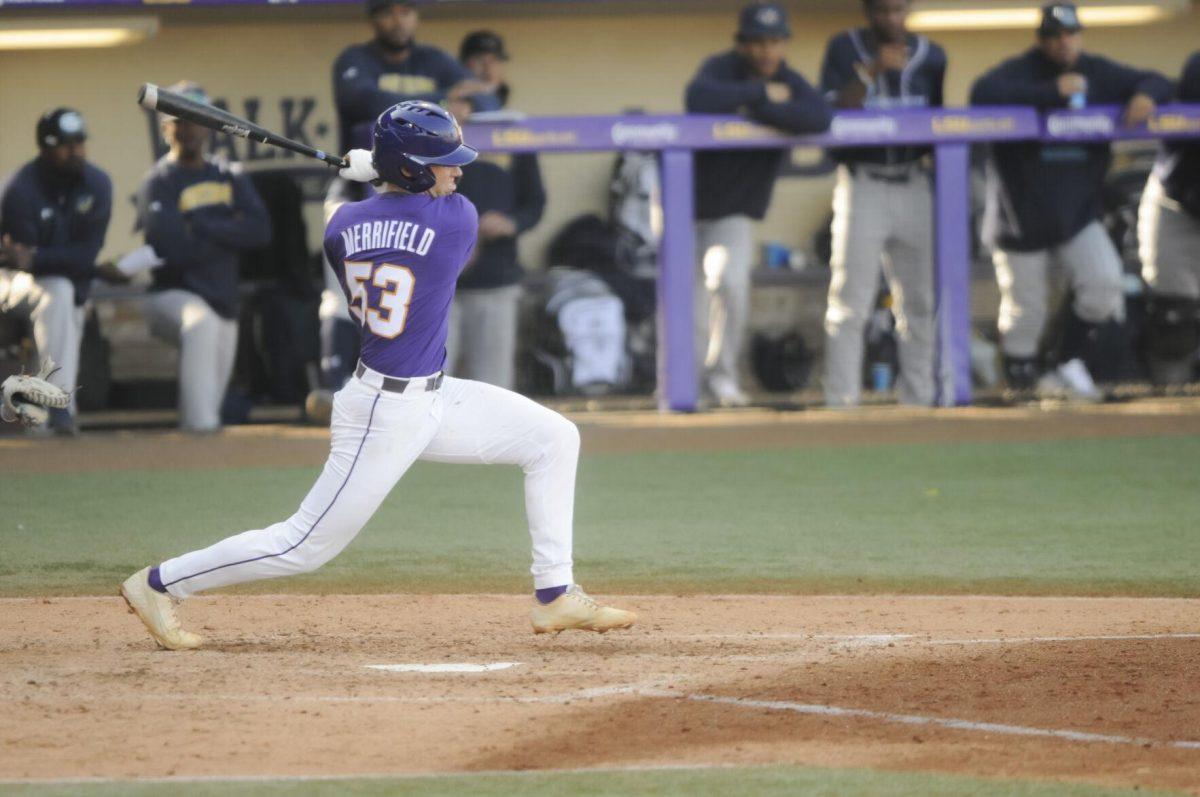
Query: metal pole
x=952 y=254
x=677 y=386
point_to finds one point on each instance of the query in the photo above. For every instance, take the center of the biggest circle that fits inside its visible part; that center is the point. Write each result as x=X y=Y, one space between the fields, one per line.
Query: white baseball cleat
x=157 y=611
x=726 y=392
x=576 y=609
x=1070 y=380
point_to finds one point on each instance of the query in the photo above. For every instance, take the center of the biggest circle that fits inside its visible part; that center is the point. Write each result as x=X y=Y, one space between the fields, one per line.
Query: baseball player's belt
x=895 y=173
x=393 y=384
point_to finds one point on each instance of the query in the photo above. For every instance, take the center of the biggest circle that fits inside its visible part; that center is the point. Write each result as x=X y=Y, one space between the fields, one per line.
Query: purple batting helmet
x=410 y=137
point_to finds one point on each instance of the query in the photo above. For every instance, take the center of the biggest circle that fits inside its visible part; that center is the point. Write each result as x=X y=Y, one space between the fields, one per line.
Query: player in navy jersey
x=398 y=256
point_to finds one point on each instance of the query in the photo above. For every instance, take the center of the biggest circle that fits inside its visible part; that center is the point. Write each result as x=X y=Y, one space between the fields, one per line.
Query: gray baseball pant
x=482 y=340
x=724 y=250
x=1169 y=244
x=1094 y=269
x=49 y=303
x=880 y=225
x=207 y=344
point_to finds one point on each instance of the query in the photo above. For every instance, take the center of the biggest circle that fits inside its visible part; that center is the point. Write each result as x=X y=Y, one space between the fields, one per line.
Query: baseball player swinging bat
x=168 y=102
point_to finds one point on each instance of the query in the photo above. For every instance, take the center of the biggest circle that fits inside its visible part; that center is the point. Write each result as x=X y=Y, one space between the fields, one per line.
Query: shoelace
x=587 y=600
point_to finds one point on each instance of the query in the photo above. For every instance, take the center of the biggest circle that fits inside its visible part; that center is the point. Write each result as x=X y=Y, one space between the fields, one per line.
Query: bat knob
x=148 y=96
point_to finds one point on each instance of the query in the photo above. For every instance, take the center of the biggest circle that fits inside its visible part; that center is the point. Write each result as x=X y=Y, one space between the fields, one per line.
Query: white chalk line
x=917 y=719
x=487 y=773
x=566 y=697
x=869 y=640
x=444 y=667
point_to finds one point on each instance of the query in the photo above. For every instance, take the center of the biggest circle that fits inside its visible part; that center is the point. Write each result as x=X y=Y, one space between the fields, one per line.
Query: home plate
x=445 y=667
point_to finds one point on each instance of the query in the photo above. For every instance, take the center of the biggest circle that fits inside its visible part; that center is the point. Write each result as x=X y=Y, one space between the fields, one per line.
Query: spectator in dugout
x=733 y=187
x=1169 y=242
x=54 y=214
x=198 y=214
x=508 y=193
x=882 y=205
x=1043 y=208
x=368 y=79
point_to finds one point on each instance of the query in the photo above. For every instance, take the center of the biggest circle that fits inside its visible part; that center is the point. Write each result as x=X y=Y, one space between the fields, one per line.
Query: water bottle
x=1078 y=100
x=881 y=376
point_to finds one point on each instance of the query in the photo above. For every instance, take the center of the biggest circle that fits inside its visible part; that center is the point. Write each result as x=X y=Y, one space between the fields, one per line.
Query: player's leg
x=727 y=276
x=710 y=259
x=1094 y=331
x=488 y=334
x=184 y=319
x=1169 y=240
x=484 y=424
x=860 y=230
x=910 y=275
x=58 y=332
x=1021 y=278
x=339 y=336
x=226 y=353
x=375 y=436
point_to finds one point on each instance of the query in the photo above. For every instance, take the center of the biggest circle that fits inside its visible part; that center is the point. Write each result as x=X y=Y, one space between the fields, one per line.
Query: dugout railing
x=950 y=132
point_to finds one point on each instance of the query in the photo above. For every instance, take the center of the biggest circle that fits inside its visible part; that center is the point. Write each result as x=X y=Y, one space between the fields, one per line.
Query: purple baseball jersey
x=397 y=257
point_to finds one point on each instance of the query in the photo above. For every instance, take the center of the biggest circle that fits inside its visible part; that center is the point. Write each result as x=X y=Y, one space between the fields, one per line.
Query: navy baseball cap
x=763 y=21
x=1059 y=18
x=480 y=42
x=374 y=6
x=60 y=126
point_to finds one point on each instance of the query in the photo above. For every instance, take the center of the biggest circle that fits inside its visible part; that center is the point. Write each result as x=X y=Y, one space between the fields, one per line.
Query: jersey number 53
x=386 y=317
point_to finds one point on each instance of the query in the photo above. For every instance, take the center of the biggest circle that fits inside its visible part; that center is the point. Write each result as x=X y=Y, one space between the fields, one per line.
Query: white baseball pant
x=375 y=437
x=207 y=344
x=483 y=335
x=724 y=250
x=49 y=303
x=880 y=225
x=1094 y=269
x=1169 y=244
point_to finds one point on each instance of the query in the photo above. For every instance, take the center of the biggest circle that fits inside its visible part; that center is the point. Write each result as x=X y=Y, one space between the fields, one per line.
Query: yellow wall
x=563 y=64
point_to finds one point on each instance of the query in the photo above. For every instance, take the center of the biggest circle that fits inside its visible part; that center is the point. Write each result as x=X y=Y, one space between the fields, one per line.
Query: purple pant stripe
x=311 y=528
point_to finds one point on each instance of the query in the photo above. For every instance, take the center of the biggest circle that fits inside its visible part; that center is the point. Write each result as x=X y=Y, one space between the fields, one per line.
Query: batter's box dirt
x=1095 y=690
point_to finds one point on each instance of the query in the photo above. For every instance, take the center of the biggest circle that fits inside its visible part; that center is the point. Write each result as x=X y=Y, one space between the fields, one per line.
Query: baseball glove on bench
x=28 y=398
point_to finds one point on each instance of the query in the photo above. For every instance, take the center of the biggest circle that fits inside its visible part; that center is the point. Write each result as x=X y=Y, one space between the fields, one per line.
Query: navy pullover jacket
x=66 y=218
x=199 y=221
x=517 y=192
x=365 y=84
x=740 y=181
x=1042 y=195
x=919 y=85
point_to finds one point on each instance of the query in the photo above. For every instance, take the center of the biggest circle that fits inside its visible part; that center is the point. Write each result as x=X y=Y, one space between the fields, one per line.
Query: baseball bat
x=168 y=102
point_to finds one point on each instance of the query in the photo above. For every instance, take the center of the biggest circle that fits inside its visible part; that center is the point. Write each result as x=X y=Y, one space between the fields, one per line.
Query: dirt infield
x=1091 y=690
x=626 y=432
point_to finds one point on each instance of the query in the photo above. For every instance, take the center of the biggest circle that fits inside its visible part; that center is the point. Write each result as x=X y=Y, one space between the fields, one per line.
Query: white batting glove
x=360 y=169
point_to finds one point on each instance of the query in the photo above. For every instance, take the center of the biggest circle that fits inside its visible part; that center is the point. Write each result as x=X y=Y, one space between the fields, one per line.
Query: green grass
x=759 y=782
x=1111 y=516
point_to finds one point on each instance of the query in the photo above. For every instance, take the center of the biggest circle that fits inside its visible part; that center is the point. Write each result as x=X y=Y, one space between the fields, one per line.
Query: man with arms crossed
x=398 y=256
x=1043 y=206
x=733 y=187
